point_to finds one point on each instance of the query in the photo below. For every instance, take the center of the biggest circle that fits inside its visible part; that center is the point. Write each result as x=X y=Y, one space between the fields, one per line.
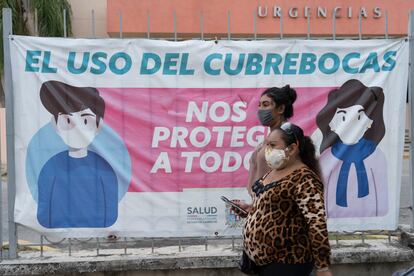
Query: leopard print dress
x=287 y=221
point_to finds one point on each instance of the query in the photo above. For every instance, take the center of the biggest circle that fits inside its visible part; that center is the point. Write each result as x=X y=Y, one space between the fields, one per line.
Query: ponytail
x=307 y=155
x=293 y=134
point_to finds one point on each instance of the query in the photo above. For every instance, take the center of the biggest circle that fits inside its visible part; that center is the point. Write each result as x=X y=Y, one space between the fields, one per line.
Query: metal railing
x=98 y=246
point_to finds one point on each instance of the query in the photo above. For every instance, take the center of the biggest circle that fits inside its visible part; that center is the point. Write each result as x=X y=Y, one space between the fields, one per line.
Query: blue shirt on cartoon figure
x=77 y=192
x=77 y=187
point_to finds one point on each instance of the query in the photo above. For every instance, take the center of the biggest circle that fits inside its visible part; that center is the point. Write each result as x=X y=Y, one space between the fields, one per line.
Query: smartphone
x=225 y=199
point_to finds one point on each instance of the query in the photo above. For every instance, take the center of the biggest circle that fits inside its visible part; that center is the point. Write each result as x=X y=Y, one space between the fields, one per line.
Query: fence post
x=93 y=23
x=254 y=26
x=8 y=89
x=281 y=26
x=64 y=24
x=228 y=25
x=334 y=25
x=120 y=25
x=386 y=24
x=1 y=206
x=202 y=25
x=410 y=95
x=175 y=25
x=36 y=31
x=148 y=25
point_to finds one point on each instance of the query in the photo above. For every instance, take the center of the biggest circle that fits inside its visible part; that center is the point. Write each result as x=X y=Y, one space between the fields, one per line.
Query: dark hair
x=282 y=96
x=353 y=92
x=293 y=134
x=58 y=97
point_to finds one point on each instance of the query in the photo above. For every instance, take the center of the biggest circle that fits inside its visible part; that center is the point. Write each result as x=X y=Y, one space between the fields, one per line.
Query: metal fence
x=279 y=29
x=122 y=245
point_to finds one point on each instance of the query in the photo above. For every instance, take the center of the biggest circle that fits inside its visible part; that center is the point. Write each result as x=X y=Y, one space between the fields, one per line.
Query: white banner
x=142 y=137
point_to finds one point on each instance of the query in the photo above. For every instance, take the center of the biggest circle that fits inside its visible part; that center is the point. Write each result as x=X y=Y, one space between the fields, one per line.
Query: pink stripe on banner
x=134 y=113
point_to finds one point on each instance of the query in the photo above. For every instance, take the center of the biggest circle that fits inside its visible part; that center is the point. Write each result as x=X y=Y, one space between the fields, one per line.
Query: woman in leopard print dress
x=285 y=231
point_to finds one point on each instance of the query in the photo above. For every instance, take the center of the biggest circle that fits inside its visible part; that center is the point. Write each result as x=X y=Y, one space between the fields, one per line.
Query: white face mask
x=350 y=124
x=275 y=158
x=78 y=129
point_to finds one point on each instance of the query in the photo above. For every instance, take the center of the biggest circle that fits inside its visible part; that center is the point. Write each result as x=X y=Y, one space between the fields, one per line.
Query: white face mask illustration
x=78 y=129
x=350 y=124
x=275 y=158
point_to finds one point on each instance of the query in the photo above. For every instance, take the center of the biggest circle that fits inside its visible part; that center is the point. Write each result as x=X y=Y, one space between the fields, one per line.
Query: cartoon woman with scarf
x=353 y=167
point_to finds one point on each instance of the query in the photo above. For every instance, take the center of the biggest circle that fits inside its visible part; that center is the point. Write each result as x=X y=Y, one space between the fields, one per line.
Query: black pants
x=276 y=269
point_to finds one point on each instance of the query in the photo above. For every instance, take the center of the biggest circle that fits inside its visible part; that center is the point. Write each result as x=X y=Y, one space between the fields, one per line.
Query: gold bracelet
x=324 y=269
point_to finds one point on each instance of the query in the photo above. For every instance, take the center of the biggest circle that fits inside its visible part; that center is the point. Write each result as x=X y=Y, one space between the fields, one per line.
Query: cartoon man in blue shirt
x=76 y=187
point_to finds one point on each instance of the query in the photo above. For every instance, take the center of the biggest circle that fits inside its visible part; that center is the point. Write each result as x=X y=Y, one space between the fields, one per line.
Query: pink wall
x=243 y=11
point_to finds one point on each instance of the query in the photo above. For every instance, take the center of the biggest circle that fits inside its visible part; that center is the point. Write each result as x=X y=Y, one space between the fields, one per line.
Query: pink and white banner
x=142 y=137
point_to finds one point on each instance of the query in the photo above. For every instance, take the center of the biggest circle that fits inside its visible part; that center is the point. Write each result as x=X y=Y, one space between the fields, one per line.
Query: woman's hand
x=243 y=205
x=323 y=273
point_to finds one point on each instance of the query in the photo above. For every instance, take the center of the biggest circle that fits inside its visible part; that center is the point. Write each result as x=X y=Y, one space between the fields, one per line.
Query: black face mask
x=265 y=116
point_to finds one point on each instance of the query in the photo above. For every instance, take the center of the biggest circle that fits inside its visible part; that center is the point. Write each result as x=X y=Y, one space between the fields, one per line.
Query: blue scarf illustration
x=352 y=154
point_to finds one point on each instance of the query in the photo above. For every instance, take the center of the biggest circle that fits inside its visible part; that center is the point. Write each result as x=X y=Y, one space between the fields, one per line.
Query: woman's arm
x=308 y=193
x=252 y=170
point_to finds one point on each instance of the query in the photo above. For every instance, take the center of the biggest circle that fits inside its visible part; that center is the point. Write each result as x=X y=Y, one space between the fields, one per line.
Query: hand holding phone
x=234 y=205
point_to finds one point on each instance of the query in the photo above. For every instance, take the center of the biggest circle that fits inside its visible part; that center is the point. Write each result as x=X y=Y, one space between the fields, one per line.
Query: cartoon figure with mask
x=353 y=167
x=77 y=187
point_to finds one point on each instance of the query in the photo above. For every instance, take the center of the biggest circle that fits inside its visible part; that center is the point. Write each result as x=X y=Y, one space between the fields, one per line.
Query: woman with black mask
x=275 y=108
